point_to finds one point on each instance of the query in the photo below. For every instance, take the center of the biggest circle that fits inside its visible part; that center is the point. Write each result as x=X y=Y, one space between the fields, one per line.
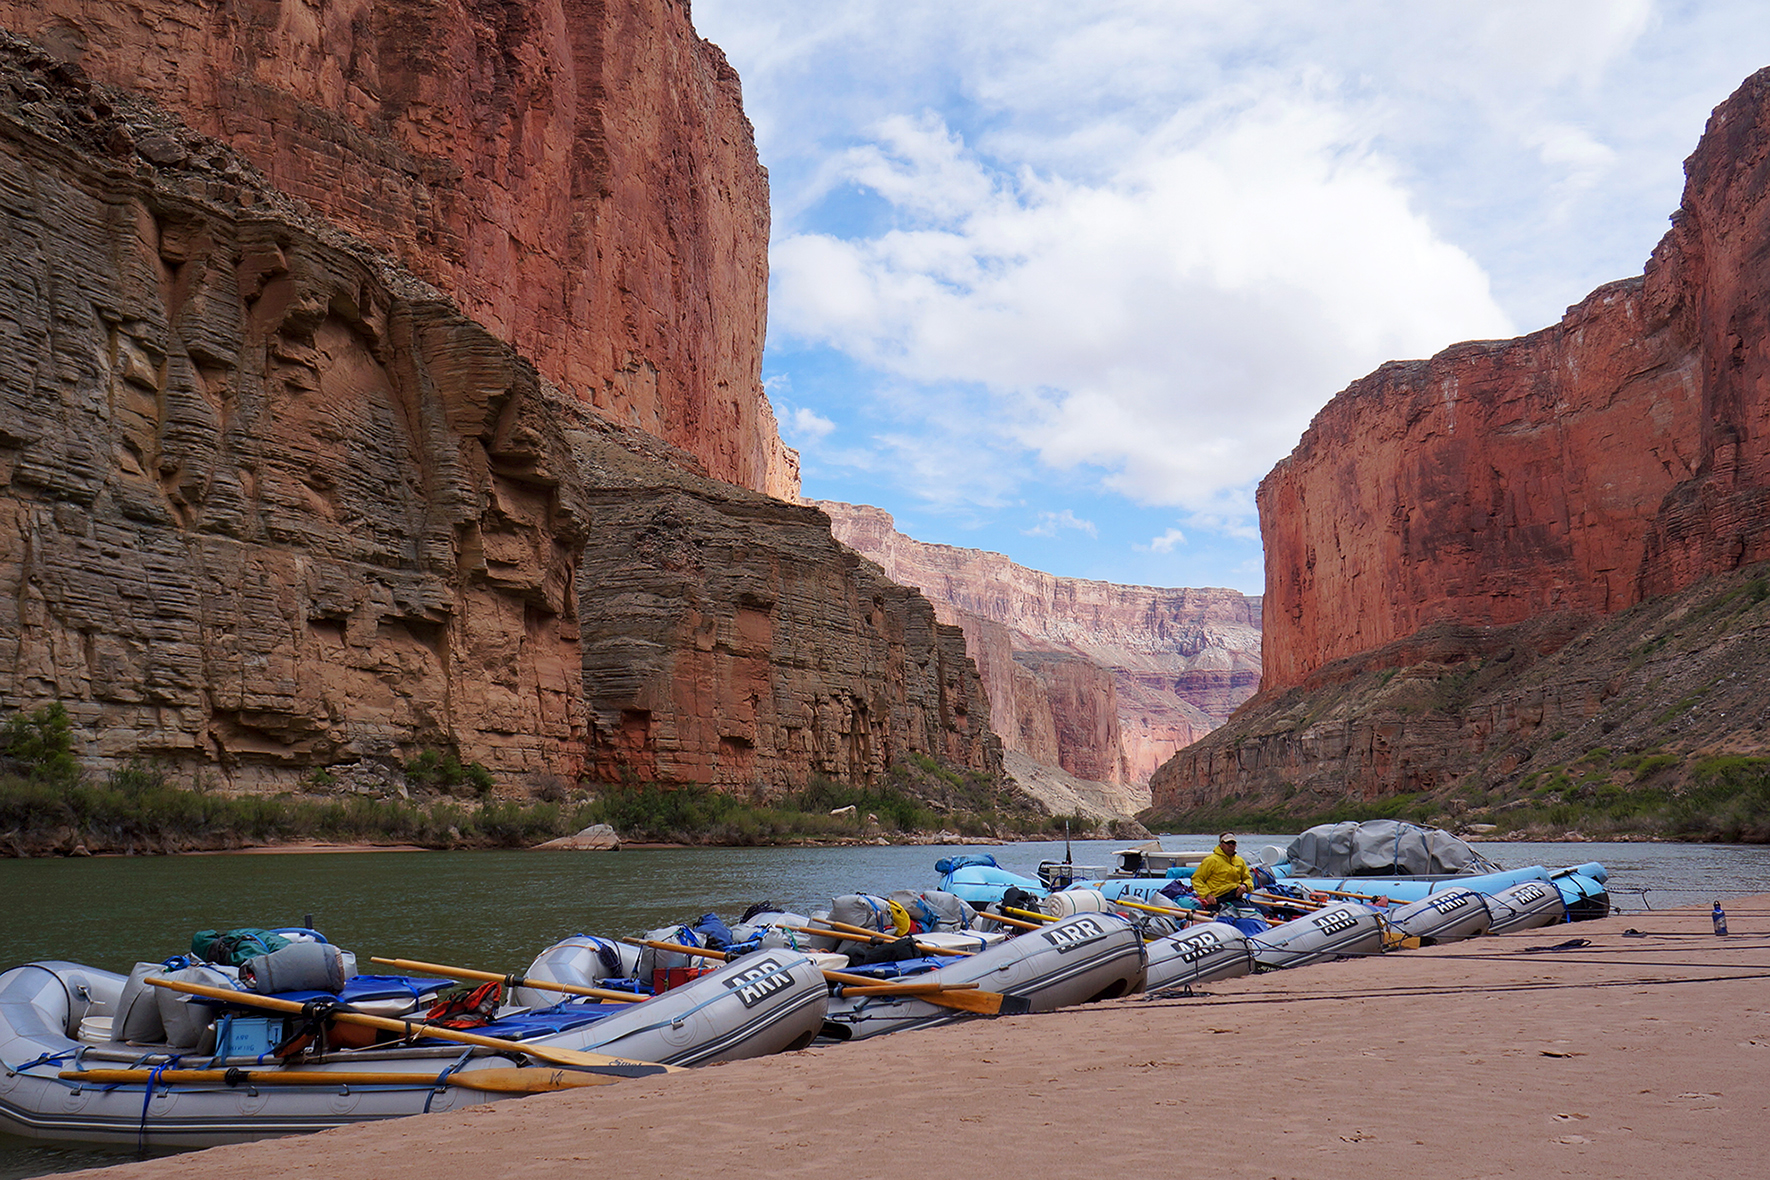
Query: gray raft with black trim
x=1082 y=958
x=763 y=1003
x=1344 y=929
x=1525 y=906
x=1214 y=950
x=1450 y=916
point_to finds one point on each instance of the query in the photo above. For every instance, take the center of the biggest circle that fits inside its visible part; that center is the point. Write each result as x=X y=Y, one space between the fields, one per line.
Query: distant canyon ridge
x=1103 y=680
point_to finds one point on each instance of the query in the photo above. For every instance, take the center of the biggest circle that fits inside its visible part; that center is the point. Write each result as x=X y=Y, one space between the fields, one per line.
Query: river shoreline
x=1491 y=1058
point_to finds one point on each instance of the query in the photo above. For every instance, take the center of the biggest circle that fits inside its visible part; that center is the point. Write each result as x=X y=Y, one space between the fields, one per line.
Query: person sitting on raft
x=1222 y=876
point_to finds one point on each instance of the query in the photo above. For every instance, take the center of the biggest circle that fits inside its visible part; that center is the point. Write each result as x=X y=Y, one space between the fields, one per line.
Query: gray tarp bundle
x=1381 y=847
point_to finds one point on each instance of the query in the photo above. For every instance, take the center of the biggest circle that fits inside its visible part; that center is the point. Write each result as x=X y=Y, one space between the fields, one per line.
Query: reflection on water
x=497 y=910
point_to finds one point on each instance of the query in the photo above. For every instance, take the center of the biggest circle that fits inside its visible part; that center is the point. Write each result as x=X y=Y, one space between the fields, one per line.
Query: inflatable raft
x=1091 y=956
x=59 y=1017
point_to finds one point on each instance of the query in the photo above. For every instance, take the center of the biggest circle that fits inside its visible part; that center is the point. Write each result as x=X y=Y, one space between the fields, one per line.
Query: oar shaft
x=1011 y=923
x=515 y=1080
x=1041 y=918
x=412 y=1028
x=859 y=934
x=547 y=985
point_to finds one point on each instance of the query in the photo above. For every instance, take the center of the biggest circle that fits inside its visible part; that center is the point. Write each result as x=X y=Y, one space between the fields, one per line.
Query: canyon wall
x=267 y=506
x=1494 y=502
x=578 y=175
x=1104 y=681
x=1620 y=453
x=271 y=504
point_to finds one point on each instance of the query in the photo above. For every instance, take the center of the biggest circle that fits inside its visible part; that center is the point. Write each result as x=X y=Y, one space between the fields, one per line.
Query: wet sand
x=1627 y=1057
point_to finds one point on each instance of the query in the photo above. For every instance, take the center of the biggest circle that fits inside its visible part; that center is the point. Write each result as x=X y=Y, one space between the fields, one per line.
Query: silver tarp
x=1380 y=847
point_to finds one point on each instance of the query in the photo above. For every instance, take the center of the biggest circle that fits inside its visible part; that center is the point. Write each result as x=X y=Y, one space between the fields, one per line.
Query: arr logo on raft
x=1074 y=933
x=755 y=984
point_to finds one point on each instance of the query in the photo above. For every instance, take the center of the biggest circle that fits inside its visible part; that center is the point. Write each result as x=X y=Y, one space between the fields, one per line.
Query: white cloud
x=808 y=425
x=1176 y=324
x=1050 y=523
x=1164 y=543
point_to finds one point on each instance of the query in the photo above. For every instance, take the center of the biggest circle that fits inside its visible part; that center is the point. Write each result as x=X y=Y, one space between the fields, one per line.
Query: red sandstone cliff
x=1463 y=517
x=1104 y=681
x=578 y=175
x=1620 y=453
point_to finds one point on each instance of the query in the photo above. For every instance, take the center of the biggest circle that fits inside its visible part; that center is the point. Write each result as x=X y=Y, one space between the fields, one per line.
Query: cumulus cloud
x=1174 y=324
x=808 y=425
x=1164 y=543
x=1051 y=523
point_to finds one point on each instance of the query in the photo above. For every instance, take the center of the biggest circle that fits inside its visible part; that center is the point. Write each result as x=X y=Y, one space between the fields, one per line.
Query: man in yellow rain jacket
x=1222 y=876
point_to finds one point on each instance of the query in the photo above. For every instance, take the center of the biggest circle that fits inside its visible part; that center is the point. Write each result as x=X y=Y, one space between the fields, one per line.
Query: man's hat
x=1226 y=838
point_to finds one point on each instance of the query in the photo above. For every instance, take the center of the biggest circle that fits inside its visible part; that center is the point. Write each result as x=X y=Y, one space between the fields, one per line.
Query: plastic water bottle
x=1720 y=917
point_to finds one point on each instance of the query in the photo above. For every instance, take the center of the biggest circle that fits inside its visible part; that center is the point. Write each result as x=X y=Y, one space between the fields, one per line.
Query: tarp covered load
x=1381 y=848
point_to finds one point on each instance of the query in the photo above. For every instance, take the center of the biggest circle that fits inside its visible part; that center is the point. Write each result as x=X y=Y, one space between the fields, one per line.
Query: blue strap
x=440 y=1084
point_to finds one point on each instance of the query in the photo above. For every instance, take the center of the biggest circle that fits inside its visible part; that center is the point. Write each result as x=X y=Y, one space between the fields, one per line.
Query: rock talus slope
x=578 y=175
x=1502 y=496
x=1104 y=681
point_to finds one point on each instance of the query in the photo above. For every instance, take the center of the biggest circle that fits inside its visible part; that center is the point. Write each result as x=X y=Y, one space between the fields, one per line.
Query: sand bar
x=1632 y=1056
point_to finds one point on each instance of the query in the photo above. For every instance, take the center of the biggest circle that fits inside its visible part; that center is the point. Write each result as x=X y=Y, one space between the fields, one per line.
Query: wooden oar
x=1382 y=899
x=1278 y=899
x=981 y=1002
x=1011 y=923
x=514 y=1080
x=847 y=933
x=578 y=1059
x=904 y=988
x=1042 y=918
x=513 y=981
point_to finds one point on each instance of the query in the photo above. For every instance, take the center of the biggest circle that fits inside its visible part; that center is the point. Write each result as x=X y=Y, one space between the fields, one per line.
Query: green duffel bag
x=234 y=947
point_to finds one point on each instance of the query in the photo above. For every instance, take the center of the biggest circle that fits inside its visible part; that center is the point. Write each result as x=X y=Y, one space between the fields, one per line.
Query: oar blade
x=531 y=1080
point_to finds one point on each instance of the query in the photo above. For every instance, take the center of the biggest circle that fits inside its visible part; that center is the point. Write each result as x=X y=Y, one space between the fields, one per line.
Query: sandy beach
x=1629 y=1056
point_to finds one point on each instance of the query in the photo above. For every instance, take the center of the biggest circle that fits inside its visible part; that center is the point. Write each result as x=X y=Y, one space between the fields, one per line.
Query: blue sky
x=1064 y=281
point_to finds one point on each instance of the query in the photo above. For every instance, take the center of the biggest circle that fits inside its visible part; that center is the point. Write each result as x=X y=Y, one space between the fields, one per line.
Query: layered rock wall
x=270 y=504
x=728 y=639
x=1180 y=661
x=266 y=505
x=578 y=175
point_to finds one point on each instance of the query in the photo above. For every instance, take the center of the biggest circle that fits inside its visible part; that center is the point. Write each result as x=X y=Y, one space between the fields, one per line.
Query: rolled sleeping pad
x=298 y=967
x=1213 y=950
x=1525 y=906
x=1344 y=928
x=1069 y=902
x=1450 y=916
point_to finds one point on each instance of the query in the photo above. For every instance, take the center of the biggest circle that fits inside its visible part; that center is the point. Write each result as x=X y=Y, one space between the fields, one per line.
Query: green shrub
x=41 y=744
